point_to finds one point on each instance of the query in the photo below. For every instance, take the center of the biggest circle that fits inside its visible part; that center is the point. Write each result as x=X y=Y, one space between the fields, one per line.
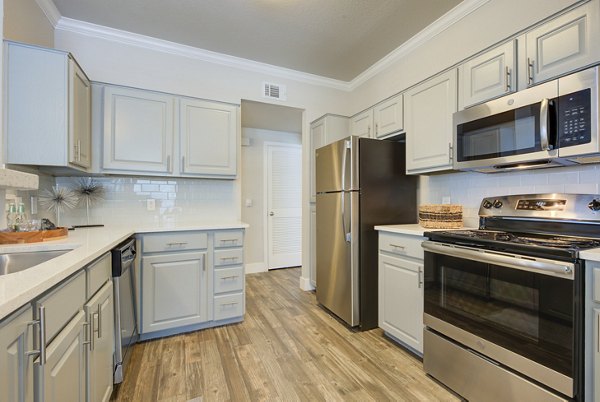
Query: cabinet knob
x=271 y=213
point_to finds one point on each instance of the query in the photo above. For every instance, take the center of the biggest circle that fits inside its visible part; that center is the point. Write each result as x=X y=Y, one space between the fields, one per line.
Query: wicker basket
x=440 y=216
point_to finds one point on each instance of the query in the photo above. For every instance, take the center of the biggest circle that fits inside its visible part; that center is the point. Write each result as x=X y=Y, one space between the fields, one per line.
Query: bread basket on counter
x=441 y=216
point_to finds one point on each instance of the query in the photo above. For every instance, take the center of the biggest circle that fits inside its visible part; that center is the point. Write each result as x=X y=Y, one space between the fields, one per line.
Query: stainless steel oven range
x=504 y=305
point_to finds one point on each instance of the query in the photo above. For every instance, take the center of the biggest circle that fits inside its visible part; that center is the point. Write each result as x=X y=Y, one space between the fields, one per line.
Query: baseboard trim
x=255 y=267
x=305 y=284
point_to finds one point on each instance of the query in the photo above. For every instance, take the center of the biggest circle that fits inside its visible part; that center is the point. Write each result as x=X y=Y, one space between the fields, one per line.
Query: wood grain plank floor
x=288 y=349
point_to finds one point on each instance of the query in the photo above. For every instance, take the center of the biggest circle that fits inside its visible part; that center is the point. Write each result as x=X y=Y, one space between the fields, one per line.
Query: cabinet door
x=313 y=245
x=80 y=120
x=16 y=379
x=401 y=300
x=138 y=130
x=361 y=125
x=429 y=109
x=596 y=340
x=99 y=315
x=565 y=43
x=318 y=138
x=389 y=116
x=64 y=372
x=208 y=135
x=174 y=290
x=488 y=76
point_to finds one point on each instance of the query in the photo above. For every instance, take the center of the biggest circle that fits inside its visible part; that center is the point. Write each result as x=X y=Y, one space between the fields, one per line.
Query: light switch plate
x=150 y=204
x=445 y=200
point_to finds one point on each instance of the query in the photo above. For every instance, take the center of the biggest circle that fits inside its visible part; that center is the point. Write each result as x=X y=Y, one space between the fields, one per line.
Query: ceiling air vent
x=274 y=91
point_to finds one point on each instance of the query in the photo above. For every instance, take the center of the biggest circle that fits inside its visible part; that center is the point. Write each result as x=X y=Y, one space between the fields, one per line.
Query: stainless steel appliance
x=552 y=124
x=360 y=183
x=504 y=305
x=126 y=332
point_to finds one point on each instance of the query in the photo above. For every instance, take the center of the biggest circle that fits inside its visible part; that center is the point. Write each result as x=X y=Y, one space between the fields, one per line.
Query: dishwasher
x=126 y=331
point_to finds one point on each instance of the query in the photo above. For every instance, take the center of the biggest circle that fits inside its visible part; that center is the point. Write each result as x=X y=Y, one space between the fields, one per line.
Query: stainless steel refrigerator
x=360 y=183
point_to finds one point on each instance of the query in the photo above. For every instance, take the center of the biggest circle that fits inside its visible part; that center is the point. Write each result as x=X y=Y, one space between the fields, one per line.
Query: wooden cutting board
x=33 y=237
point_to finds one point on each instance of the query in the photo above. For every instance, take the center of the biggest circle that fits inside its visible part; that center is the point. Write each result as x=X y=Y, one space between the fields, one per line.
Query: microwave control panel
x=574 y=118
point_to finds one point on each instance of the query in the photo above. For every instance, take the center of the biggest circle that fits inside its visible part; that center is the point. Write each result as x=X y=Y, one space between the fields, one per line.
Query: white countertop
x=413 y=229
x=87 y=244
x=590 y=255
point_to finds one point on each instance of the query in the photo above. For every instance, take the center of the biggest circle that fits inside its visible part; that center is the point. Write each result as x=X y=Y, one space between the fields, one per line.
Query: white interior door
x=283 y=205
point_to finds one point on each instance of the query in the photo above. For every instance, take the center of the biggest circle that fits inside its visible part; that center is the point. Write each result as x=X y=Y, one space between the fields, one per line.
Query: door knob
x=271 y=213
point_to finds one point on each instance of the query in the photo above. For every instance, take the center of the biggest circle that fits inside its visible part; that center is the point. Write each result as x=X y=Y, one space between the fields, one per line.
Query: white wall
x=24 y=21
x=253 y=188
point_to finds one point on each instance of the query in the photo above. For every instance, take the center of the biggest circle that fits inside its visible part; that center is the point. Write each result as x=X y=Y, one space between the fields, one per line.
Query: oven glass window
x=510 y=133
x=527 y=313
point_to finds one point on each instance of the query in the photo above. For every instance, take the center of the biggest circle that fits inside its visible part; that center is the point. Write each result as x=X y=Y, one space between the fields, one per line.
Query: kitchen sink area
x=17 y=262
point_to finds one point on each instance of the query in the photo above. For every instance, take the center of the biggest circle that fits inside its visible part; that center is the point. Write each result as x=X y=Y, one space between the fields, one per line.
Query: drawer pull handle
x=228 y=240
x=177 y=243
x=229 y=304
x=398 y=246
x=229 y=258
x=41 y=352
x=229 y=277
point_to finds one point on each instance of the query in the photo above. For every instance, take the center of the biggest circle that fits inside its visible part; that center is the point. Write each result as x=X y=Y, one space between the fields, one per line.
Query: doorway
x=270 y=134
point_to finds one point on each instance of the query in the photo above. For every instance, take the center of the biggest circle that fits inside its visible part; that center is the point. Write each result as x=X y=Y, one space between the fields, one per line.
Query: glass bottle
x=21 y=218
x=11 y=217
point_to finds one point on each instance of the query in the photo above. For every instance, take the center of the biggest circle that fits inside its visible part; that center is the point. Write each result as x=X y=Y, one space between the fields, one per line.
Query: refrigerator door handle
x=347 y=146
x=343 y=210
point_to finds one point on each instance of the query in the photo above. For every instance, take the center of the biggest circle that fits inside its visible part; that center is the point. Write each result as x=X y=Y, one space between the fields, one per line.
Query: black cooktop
x=533 y=244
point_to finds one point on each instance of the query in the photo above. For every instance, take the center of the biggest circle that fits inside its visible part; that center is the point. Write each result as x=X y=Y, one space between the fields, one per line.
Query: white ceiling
x=336 y=39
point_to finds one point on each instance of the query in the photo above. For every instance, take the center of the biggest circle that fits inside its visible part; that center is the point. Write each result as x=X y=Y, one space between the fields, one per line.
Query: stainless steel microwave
x=552 y=124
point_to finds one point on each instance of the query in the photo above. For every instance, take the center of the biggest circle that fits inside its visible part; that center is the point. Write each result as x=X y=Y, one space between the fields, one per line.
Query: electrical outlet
x=150 y=204
x=446 y=200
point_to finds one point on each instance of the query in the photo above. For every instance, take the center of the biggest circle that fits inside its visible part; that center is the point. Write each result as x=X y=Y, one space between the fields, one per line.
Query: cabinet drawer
x=229 y=279
x=229 y=257
x=174 y=241
x=229 y=306
x=62 y=304
x=229 y=238
x=401 y=245
x=98 y=273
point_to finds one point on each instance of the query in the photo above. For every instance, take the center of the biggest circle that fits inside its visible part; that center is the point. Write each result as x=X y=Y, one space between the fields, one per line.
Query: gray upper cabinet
x=208 y=138
x=138 y=131
x=388 y=116
x=159 y=134
x=361 y=124
x=47 y=109
x=565 y=43
x=16 y=367
x=489 y=75
x=429 y=107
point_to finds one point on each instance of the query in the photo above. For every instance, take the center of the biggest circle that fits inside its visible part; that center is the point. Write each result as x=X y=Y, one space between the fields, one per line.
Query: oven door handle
x=536 y=265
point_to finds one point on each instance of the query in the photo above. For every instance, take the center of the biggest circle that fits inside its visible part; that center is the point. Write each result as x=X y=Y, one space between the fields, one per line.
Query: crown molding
x=116 y=35
x=49 y=8
x=456 y=14
x=160 y=45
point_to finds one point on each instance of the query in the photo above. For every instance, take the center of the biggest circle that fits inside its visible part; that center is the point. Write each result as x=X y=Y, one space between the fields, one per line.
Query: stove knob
x=497 y=203
x=487 y=204
x=594 y=205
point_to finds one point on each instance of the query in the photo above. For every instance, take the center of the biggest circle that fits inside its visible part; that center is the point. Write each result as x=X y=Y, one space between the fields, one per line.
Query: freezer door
x=337 y=166
x=337 y=254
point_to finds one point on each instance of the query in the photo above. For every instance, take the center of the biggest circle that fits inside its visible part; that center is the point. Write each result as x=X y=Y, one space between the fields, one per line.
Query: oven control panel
x=585 y=207
x=541 y=205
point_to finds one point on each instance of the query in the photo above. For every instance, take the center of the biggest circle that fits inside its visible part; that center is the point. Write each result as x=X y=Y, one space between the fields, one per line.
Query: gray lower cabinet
x=72 y=360
x=16 y=365
x=63 y=375
x=191 y=280
x=592 y=331
x=174 y=290
x=99 y=313
x=401 y=288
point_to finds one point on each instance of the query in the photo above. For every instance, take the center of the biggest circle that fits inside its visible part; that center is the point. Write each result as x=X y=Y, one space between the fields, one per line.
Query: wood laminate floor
x=287 y=348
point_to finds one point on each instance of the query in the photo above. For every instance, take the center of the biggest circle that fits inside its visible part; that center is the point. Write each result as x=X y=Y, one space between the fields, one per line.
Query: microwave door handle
x=544 y=123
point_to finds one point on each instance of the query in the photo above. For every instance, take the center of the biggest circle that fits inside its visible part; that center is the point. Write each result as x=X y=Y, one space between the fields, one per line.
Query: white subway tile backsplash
x=177 y=200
